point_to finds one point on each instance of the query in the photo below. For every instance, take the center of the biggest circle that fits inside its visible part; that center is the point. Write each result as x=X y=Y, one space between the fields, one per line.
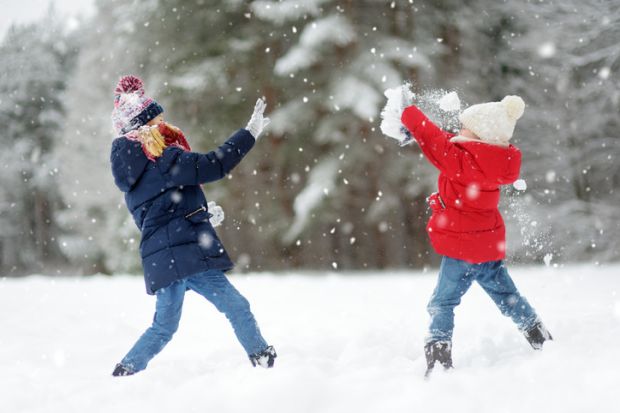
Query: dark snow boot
x=438 y=351
x=121 y=370
x=265 y=358
x=537 y=335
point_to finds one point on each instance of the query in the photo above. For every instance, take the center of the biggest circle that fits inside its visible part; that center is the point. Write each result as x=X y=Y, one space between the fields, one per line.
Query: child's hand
x=217 y=214
x=406 y=100
x=258 y=122
x=398 y=99
x=408 y=138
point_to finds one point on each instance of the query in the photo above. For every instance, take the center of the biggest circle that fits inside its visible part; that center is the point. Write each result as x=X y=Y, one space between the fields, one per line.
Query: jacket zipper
x=202 y=208
x=443 y=205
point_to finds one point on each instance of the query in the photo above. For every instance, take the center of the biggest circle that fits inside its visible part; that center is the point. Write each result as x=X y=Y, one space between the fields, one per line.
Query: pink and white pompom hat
x=132 y=108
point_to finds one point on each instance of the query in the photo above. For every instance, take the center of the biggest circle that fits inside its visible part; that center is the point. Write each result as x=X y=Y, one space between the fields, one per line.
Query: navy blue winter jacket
x=170 y=209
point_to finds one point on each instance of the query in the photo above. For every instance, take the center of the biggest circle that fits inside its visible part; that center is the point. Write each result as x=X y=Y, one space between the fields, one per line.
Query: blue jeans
x=455 y=278
x=215 y=287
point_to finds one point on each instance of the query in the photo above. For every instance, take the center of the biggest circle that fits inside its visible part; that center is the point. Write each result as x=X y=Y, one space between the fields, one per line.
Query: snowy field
x=345 y=344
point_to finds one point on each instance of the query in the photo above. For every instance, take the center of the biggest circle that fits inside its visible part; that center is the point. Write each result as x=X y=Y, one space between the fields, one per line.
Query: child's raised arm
x=193 y=168
x=434 y=142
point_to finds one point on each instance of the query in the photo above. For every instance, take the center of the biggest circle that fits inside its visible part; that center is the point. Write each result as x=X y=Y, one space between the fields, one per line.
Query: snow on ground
x=345 y=344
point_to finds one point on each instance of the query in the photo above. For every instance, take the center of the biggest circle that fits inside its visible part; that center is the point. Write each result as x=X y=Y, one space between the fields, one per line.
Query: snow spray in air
x=441 y=106
x=535 y=240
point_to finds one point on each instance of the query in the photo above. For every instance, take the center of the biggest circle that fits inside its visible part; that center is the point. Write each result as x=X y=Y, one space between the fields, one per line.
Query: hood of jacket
x=500 y=165
x=128 y=163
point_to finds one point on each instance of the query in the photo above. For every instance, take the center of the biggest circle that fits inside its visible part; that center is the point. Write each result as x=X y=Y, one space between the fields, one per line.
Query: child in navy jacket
x=154 y=167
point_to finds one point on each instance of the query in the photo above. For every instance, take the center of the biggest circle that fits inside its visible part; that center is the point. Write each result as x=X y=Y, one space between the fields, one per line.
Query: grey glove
x=258 y=122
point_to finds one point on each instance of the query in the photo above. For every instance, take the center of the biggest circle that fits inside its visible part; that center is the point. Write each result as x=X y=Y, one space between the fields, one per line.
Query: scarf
x=154 y=139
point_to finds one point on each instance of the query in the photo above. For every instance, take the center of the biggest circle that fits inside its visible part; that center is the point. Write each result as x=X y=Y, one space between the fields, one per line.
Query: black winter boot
x=120 y=370
x=265 y=358
x=440 y=351
x=537 y=335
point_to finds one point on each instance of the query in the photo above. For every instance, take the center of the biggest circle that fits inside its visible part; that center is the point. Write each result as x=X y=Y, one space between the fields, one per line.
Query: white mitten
x=217 y=214
x=258 y=122
x=398 y=98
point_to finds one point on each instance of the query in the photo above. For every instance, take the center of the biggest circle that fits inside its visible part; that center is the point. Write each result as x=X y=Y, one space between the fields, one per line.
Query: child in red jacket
x=466 y=226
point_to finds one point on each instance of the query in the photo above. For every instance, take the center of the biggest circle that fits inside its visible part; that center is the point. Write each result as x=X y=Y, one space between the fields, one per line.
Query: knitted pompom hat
x=494 y=122
x=132 y=108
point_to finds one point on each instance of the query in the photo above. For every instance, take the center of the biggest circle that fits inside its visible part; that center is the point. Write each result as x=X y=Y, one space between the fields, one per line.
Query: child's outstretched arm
x=434 y=142
x=192 y=168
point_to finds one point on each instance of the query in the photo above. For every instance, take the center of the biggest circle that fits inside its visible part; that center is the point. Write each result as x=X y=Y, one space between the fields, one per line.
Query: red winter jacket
x=466 y=223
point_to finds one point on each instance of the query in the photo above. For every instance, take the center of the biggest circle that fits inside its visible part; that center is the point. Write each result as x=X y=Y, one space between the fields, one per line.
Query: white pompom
x=515 y=106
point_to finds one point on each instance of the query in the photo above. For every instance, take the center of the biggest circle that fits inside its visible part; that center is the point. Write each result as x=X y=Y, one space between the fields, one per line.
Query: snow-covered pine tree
x=560 y=57
x=36 y=59
x=359 y=201
x=324 y=186
x=100 y=235
x=574 y=53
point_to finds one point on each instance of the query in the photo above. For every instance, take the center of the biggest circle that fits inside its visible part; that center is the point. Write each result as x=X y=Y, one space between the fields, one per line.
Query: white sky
x=25 y=11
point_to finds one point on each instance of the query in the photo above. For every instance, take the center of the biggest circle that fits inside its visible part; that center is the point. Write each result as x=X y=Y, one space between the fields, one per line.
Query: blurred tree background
x=323 y=189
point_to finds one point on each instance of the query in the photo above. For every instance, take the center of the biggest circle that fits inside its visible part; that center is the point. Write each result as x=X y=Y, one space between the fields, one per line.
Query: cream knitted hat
x=494 y=122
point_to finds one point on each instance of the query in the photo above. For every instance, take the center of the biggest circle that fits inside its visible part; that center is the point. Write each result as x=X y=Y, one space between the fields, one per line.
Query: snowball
x=450 y=102
x=441 y=221
x=501 y=246
x=546 y=50
x=391 y=113
x=604 y=73
x=205 y=240
x=176 y=197
x=473 y=192
x=520 y=185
